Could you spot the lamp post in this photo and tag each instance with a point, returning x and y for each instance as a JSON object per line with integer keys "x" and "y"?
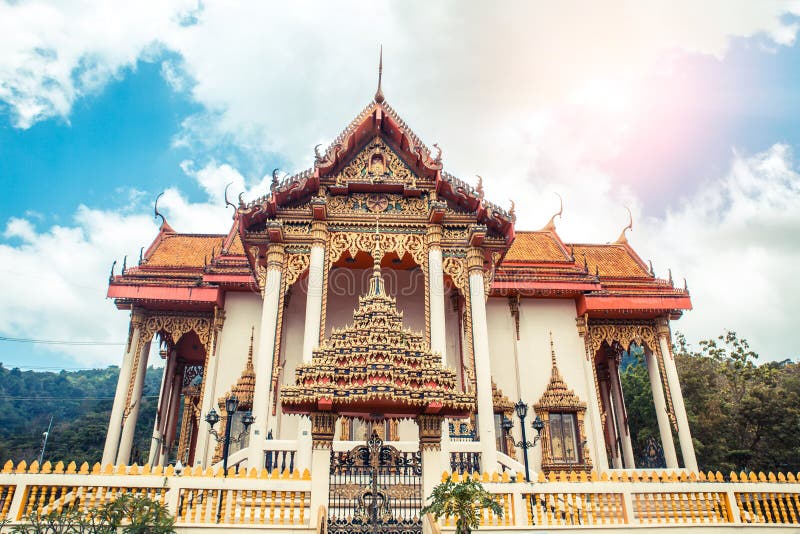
{"x": 231, "y": 405}
{"x": 522, "y": 411}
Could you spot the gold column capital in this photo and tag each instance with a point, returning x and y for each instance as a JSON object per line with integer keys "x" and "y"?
{"x": 319, "y": 232}
{"x": 434, "y": 235}
{"x": 323, "y": 425}
{"x": 474, "y": 259}
{"x": 430, "y": 432}
{"x": 137, "y": 317}
{"x": 662, "y": 327}
{"x": 275, "y": 256}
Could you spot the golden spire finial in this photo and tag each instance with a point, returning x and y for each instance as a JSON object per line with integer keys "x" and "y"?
{"x": 622, "y": 238}
{"x": 379, "y": 93}
{"x": 250, "y": 352}
{"x": 376, "y": 284}
{"x": 551, "y": 225}
{"x": 552, "y": 350}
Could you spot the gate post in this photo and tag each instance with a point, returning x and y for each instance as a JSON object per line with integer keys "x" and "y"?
{"x": 322, "y": 427}
{"x": 430, "y": 444}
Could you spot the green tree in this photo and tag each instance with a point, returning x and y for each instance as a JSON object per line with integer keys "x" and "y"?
{"x": 462, "y": 500}
{"x": 743, "y": 416}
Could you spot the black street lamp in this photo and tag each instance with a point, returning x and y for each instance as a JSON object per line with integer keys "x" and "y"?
{"x": 231, "y": 405}
{"x": 522, "y": 411}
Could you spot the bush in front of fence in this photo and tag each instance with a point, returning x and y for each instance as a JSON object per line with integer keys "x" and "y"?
{"x": 463, "y": 501}
{"x": 127, "y": 514}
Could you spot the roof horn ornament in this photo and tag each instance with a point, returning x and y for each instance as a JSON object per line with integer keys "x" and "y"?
{"x": 228, "y": 202}
{"x": 551, "y": 224}
{"x": 156, "y": 213}
{"x": 512, "y": 210}
{"x": 318, "y": 158}
{"x": 622, "y": 238}
{"x": 379, "y": 98}
{"x": 438, "y": 158}
{"x": 479, "y": 187}
{"x": 111, "y": 274}
{"x": 274, "y": 185}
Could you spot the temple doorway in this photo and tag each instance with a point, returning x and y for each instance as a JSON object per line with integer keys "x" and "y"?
{"x": 375, "y": 488}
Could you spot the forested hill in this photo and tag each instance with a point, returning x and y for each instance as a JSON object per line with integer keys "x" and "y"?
{"x": 80, "y": 403}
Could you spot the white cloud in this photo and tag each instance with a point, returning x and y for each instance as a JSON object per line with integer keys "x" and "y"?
{"x": 57, "y": 280}
{"x": 736, "y": 243}
{"x": 527, "y": 96}
{"x": 54, "y": 53}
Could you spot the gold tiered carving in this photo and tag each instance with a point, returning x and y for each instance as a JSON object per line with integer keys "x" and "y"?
{"x": 376, "y": 362}
{"x": 503, "y": 405}
{"x": 557, "y": 397}
{"x": 244, "y": 390}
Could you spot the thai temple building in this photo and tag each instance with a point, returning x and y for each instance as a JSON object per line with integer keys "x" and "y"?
{"x": 383, "y": 325}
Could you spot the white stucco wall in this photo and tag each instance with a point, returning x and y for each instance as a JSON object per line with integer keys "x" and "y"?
{"x": 538, "y": 317}
{"x": 242, "y": 312}
{"x": 346, "y": 285}
{"x": 294, "y": 316}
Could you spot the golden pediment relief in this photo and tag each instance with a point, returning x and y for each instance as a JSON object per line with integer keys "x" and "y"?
{"x": 376, "y": 163}
{"x": 377, "y": 203}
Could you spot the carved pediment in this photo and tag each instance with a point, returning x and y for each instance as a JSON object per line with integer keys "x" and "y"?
{"x": 376, "y": 163}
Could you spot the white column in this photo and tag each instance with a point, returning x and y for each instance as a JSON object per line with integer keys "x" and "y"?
{"x": 437, "y": 317}
{"x": 661, "y": 411}
{"x": 265, "y": 355}
{"x": 316, "y": 277}
{"x": 611, "y": 424}
{"x": 684, "y": 435}
{"x": 172, "y": 414}
{"x": 129, "y": 427}
{"x": 161, "y": 412}
{"x": 117, "y": 410}
{"x": 599, "y": 443}
{"x": 483, "y": 371}
{"x": 619, "y": 412}
{"x": 322, "y": 427}
{"x": 203, "y": 452}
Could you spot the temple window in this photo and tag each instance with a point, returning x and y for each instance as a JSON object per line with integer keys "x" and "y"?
{"x": 563, "y": 436}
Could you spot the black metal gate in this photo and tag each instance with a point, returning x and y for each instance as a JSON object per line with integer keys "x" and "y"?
{"x": 375, "y": 488}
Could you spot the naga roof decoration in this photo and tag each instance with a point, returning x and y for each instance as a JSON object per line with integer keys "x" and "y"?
{"x": 375, "y": 365}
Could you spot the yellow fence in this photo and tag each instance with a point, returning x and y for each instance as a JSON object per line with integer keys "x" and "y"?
{"x": 205, "y": 498}
{"x": 194, "y": 496}
{"x": 641, "y": 498}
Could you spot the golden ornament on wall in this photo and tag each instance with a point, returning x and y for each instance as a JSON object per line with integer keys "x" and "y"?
{"x": 377, "y": 202}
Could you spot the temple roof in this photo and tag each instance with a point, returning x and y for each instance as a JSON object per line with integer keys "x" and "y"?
{"x": 539, "y": 246}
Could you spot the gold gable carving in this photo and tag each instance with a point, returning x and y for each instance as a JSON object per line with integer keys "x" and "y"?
{"x": 376, "y": 163}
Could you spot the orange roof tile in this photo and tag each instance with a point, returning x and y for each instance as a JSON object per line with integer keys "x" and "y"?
{"x": 535, "y": 246}
{"x": 236, "y": 246}
{"x": 177, "y": 250}
{"x": 613, "y": 260}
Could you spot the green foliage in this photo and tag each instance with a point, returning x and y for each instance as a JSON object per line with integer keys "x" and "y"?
{"x": 128, "y": 514}
{"x": 80, "y": 403}
{"x": 743, "y": 416}
{"x": 462, "y": 500}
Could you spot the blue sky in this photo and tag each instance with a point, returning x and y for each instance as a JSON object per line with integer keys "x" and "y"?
{"x": 692, "y": 120}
